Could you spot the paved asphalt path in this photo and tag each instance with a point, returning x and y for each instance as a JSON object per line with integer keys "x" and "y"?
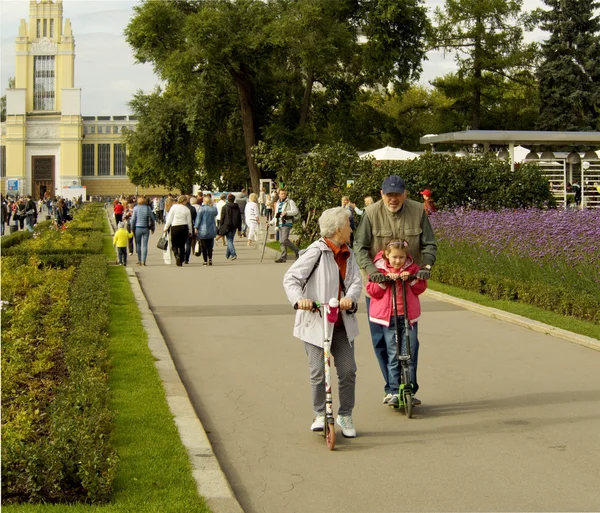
{"x": 510, "y": 419}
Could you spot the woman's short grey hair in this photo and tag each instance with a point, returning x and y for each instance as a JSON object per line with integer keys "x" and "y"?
{"x": 332, "y": 220}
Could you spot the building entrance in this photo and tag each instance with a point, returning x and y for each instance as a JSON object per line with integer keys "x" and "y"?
{"x": 43, "y": 176}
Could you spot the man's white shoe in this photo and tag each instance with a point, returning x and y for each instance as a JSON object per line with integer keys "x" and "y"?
{"x": 386, "y": 398}
{"x": 345, "y": 422}
{"x": 318, "y": 424}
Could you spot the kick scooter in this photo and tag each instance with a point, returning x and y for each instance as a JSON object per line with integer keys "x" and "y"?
{"x": 331, "y": 311}
{"x": 405, "y": 392}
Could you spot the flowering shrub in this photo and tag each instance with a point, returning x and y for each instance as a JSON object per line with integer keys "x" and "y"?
{"x": 550, "y": 258}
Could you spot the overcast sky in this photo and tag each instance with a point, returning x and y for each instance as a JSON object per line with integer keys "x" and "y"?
{"x": 104, "y": 66}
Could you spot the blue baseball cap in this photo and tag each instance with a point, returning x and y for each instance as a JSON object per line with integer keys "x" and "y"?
{"x": 393, "y": 184}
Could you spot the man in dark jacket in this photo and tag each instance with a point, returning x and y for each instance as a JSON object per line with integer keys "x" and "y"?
{"x": 30, "y": 213}
{"x": 242, "y": 201}
{"x": 231, "y": 221}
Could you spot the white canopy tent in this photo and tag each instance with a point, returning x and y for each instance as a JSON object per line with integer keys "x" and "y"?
{"x": 520, "y": 153}
{"x": 389, "y": 153}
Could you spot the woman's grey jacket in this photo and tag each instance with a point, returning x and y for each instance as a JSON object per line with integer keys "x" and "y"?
{"x": 322, "y": 286}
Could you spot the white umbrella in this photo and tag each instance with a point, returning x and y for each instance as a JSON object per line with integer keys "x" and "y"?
{"x": 389, "y": 153}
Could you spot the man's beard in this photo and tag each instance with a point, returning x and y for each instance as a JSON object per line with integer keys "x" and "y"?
{"x": 393, "y": 210}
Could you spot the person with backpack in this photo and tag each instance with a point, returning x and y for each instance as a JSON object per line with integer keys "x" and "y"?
{"x": 327, "y": 270}
{"x": 286, "y": 213}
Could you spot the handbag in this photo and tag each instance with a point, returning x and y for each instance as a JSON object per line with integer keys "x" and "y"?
{"x": 162, "y": 243}
{"x": 197, "y": 248}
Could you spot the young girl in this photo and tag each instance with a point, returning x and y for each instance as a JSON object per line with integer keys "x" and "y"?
{"x": 396, "y": 263}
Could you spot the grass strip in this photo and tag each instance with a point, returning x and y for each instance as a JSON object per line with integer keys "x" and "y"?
{"x": 531, "y": 312}
{"x": 154, "y": 473}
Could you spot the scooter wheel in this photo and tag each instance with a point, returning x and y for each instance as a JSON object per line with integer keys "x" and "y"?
{"x": 330, "y": 435}
{"x": 408, "y": 404}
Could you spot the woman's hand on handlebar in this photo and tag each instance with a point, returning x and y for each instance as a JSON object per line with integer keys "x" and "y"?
{"x": 346, "y": 303}
{"x": 305, "y": 304}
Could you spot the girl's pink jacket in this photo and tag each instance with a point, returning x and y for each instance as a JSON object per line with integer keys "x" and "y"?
{"x": 380, "y": 309}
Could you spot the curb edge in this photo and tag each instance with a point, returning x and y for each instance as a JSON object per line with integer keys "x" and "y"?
{"x": 519, "y": 320}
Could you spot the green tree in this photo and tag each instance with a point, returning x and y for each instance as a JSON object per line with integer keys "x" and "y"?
{"x": 569, "y": 75}
{"x": 411, "y": 114}
{"x": 504, "y": 104}
{"x": 487, "y": 38}
{"x": 162, "y": 149}
{"x": 286, "y": 60}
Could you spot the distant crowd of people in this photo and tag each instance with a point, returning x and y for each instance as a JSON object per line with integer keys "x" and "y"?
{"x": 22, "y": 212}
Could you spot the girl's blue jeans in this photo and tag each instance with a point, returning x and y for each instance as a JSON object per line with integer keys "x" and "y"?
{"x": 393, "y": 364}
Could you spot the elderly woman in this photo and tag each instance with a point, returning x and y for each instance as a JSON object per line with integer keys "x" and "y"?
{"x": 141, "y": 219}
{"x": 252, "y": 214}
{"x": 327, "y": 269}
{"x": 179, "y": 220}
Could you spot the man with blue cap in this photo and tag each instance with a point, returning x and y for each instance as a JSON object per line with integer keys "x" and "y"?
{"x": 393, "y": 217}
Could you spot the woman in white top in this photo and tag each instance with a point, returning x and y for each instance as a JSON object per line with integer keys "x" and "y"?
{"x": 252, "y": 213}
{"x": 180, "y": 222}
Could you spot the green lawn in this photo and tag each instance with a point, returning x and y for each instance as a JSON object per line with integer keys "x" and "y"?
{"x": 154, "y": 472}
{"x": 531, "y": 312}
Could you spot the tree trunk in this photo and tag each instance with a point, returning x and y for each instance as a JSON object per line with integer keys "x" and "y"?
{"x": 310, "y": 78}
{"x": 244, "y": 87}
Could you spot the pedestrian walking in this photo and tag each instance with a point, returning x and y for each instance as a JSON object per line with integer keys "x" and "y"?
{"x": 395, "y": 217}
{"x": 142, "y": 222}
{"x": 231, "y": 222}
{"x": 252, "y": 215}
{"x": 262, "y": 201}
{"x": 118, "y": 211}
{"x": 120, "y": 240}
{"x": 285, "y": 211}
{"x": 179, "y": 222}
{"x": 31, "y": 213}
{"x": 220, "y": 204}
{"x": 206, "y": 229}
{"x": 242, "y": 200}
{"x": 326, "y": 270}
{"x": 190, "y": 240}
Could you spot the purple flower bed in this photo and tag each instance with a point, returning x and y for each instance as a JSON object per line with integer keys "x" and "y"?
{"x": 560, "y": 246}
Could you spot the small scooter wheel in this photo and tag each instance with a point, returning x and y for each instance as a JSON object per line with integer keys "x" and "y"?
{"x": 330, "y": 435}
{"x": 408, "y": 404}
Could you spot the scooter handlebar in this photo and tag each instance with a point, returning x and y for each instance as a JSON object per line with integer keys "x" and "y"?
{"x": 317, "y": 306}
{"x": 389, "y": 280}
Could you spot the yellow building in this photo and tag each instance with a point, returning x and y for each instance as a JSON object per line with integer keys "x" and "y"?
{"x": 46, "y": 144}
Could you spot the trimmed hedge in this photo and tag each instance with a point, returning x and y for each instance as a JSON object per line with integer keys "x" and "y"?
{"x": 581, "y": 305}
{"x": 56, "y": 422}
{"x": 13, "y": 239}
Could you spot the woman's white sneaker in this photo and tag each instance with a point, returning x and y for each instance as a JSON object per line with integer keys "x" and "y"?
{"x": 345, "y": 422}
{"x": 318, "y": 424}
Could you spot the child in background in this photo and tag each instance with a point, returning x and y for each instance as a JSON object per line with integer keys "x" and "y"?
{"x": 396, "y": 263}
{"x": 120, "y": 241}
